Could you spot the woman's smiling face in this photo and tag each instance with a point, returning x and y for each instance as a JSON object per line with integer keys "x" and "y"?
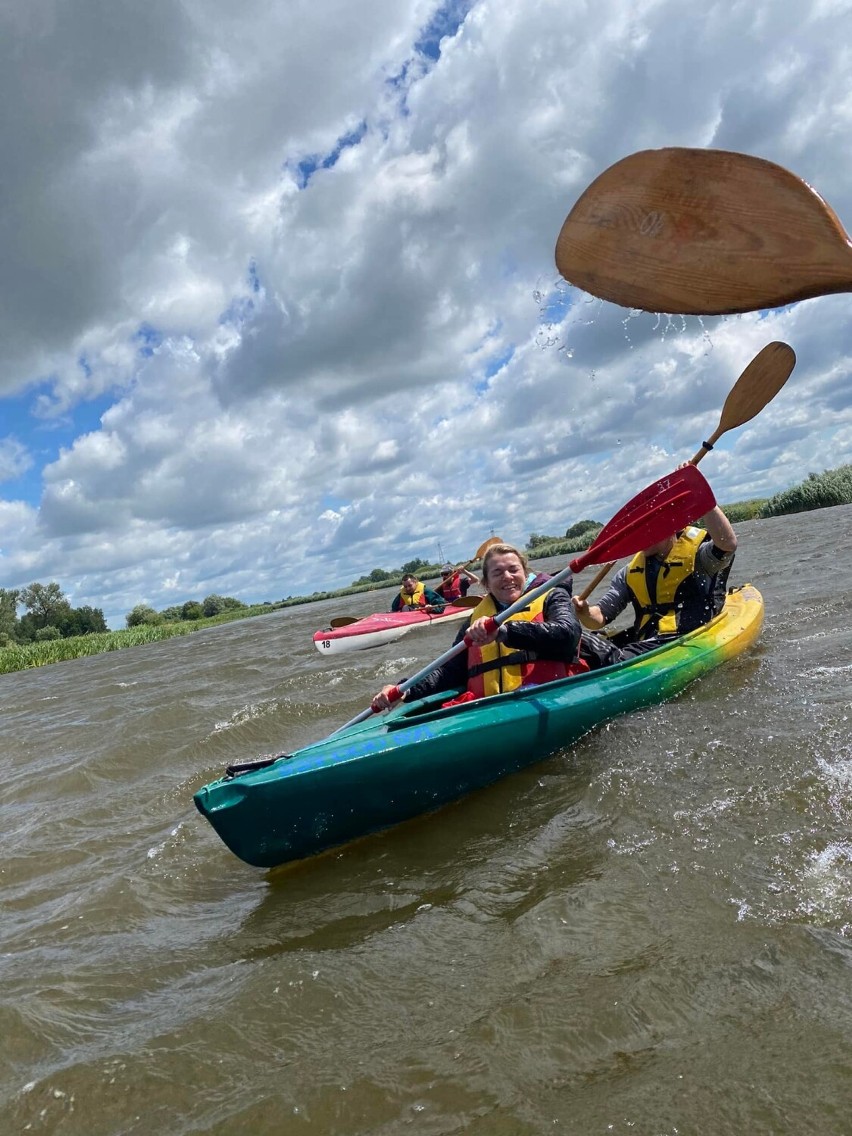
{"x": 506, "y": 577}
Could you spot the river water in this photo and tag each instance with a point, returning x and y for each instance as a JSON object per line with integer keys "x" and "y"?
{"x": 650, "y": 934}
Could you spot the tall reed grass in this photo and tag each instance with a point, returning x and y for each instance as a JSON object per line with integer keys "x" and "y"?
{"x": 23, "y": 656}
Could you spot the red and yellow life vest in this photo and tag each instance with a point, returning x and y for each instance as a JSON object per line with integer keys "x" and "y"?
{"x": 496, "y": 668}
{"x": 673, "y": 591}
{"x": 416, "y": 599}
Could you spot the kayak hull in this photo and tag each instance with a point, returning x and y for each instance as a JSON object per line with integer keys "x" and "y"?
{"x": 419, "y": 757}
{"x": 383, "y": 627}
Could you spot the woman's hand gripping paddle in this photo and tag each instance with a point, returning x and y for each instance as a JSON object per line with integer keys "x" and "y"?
{"x": 703, "y": 232}
{"x": 649, "y": 517}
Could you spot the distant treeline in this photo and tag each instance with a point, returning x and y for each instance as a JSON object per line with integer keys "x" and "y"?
{"x": 192, "y": 610}
{"x": 48, "y": 616}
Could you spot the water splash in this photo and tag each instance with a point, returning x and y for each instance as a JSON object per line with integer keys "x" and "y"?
{"x": 563, "y": 309}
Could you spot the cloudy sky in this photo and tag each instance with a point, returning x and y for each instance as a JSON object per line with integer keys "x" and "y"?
{"x": 279, "y": 303}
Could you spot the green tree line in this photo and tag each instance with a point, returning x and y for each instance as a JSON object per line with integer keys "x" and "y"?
{"x": 145, "y": 616}
{"x": 49, "y": 615}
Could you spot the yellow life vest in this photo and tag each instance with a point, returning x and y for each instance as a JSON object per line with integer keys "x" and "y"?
{"x": 496, "y": 668}
{"x": 416, "y": 599}
{"x": 674, "y": 591}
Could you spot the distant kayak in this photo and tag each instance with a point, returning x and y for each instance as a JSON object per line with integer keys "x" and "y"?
{"x": 383, "y": 627}
{"x": 421, "y": 755}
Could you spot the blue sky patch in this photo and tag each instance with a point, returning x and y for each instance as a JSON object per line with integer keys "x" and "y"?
{"x": 45, "y": 437}
{"x": 308, "y": 166}
{"x": 148, "y": 338}
{"x": 446, "y": 22}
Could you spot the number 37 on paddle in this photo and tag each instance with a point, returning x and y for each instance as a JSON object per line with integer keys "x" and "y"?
{"x": 703, "y": 232}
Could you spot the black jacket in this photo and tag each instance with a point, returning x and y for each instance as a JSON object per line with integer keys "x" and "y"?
{"x": 557, "y": 636}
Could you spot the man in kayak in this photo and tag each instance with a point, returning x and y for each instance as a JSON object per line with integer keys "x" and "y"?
{"x": 414, "y": 596}
{"x": 533, "y": 646}
{"x": 674, "y": 586}
{"x": 455, "y": 583}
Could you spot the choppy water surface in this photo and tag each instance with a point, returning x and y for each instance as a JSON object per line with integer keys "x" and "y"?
{"x": 648, "y": 934}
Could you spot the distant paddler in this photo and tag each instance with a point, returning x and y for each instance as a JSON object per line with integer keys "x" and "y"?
{"x": 455, "y": 582}
{"x": 415, "y": 596}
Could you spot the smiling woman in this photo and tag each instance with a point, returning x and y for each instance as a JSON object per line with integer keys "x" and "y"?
{"x": 535, "y": 645}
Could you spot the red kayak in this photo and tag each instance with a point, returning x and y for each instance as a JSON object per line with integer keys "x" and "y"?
{"x": 383, "y": 627}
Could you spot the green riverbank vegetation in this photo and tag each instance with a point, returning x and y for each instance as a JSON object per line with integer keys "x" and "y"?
{"x": 52, "y": 631}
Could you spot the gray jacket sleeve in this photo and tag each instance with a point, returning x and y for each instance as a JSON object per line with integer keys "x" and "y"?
{"x": 616, "y": 598}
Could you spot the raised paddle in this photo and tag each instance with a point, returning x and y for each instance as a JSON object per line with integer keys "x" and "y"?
{"x": 703, "y": 232}
{"x": 649, "y": 517}
{"x": 758, "y": 384}
{"x": 480, "y": 552}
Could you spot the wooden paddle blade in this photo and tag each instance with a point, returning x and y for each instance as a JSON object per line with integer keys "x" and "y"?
{"x": 467, "y": 601}
{"x": 702, "y": 232}
{"x": 650, "y": 517}
{"x": 759, "y": 383}
{"x": 483, "y": 548}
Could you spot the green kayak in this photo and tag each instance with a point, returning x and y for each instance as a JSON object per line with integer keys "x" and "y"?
{"x": 419, "y": 756}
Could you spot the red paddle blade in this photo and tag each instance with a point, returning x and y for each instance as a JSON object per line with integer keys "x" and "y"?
{"x": 650, "y": 517}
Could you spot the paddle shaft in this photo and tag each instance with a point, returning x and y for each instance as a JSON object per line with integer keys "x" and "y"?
{"x": 596, "y": 579}
{"x": 702, "y": 232}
